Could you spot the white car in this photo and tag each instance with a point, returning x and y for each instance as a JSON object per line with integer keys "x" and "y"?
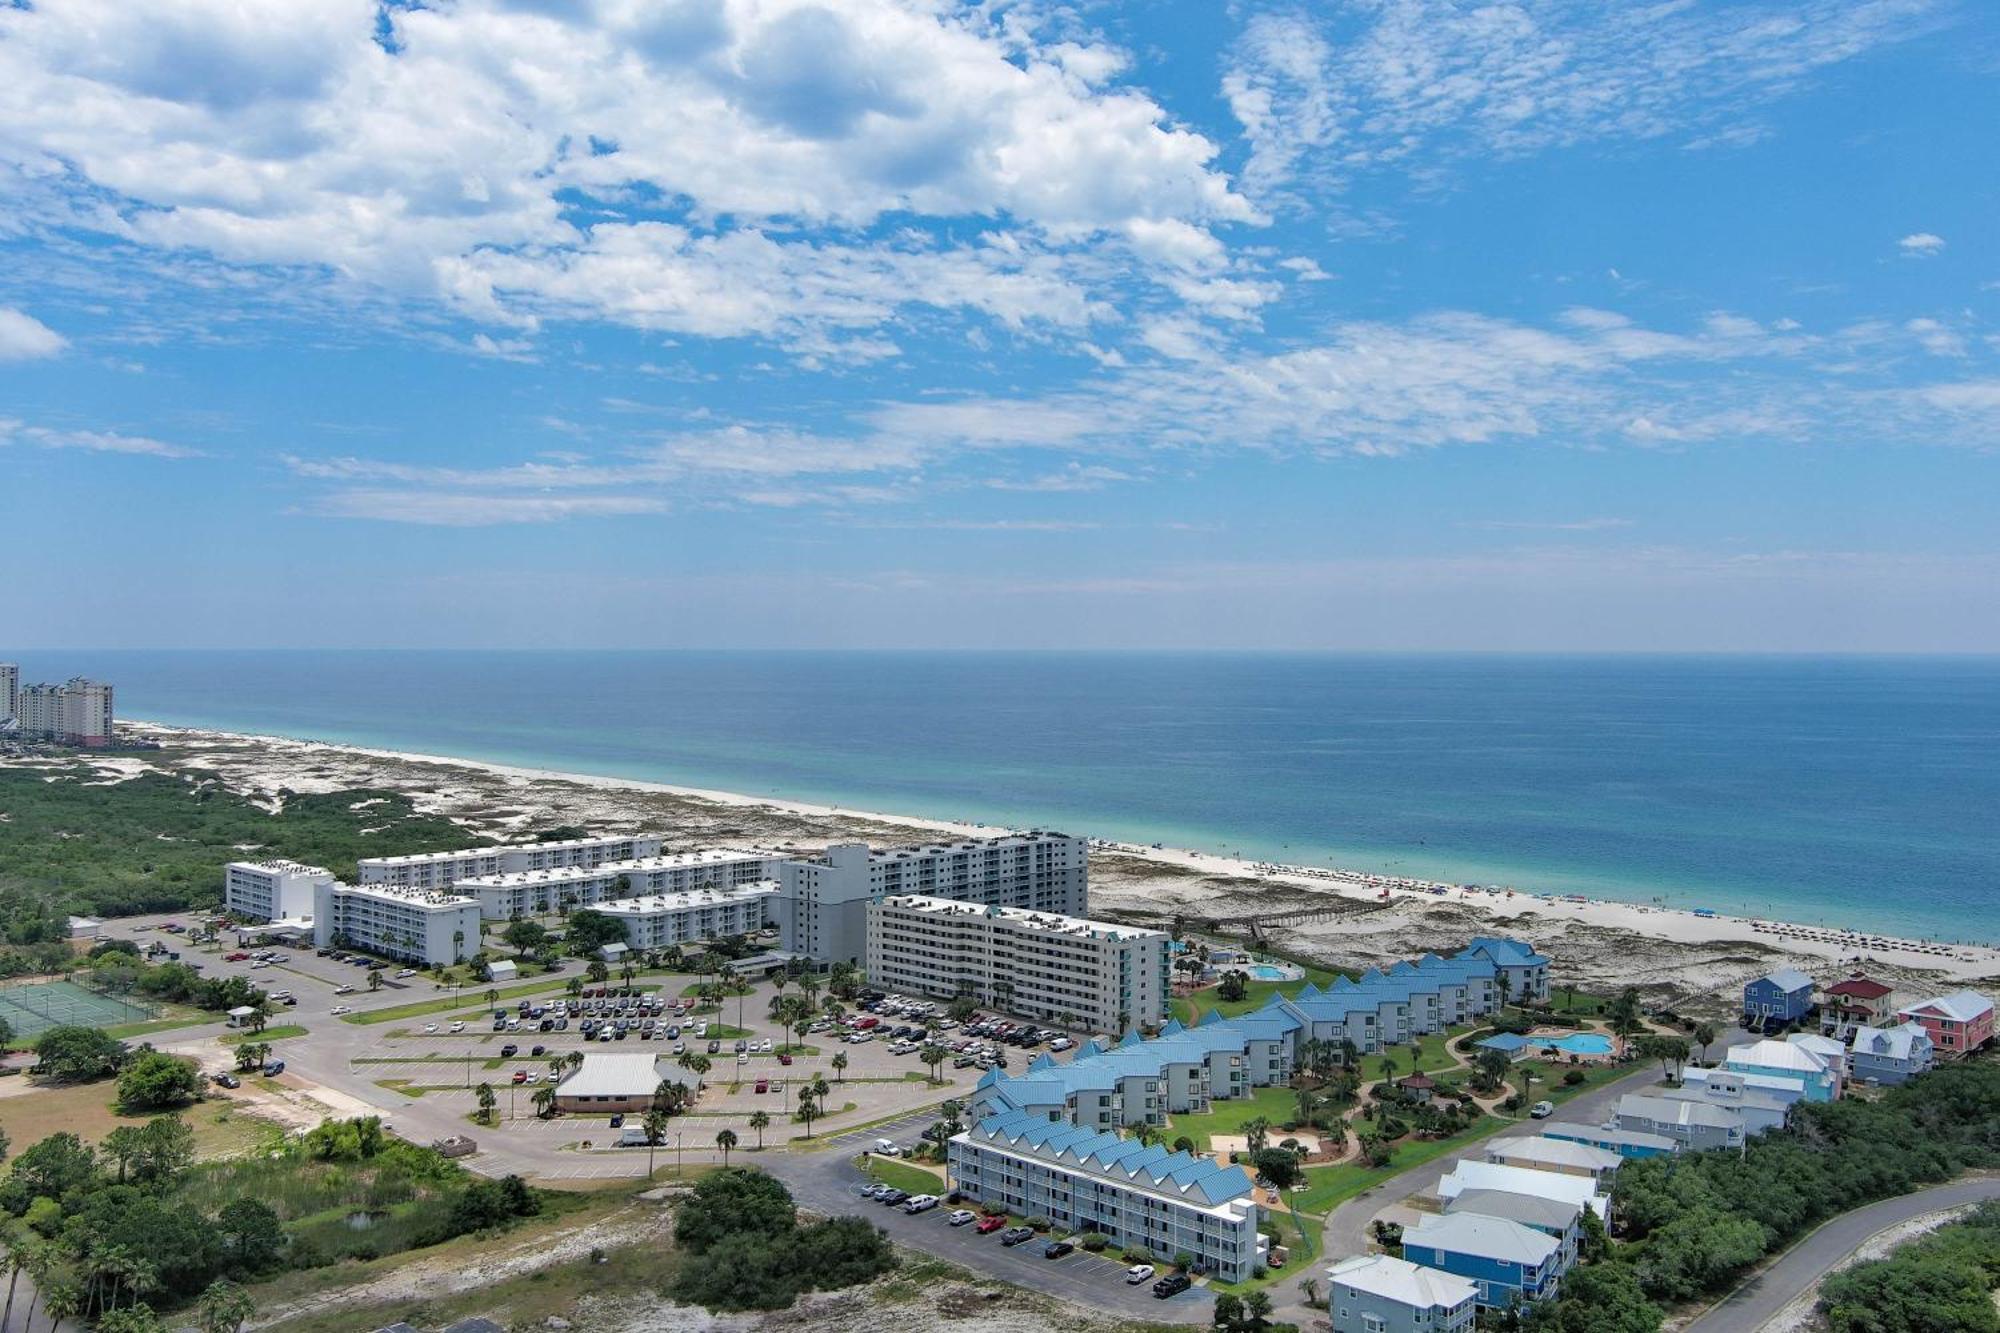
{"x": 962, "y": 1216}
{"x": 920, "y": 1203}
{"x": 534, "y": 1076}
{"x": 343, "y": 990}
{"x": 430, "y": 1027}
{"x": 458, "y": 1026}
{"x": 406, "y": 972}
{"x": 1137, "y": 1273}
{"x": 340, "y": 1009}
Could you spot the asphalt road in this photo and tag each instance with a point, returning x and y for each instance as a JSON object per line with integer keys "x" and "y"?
{"x": 827, "y": 1182}
{"x": 1757, "y": 1301}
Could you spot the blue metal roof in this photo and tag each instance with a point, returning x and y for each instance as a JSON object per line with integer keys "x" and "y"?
{"x": 1203, "y": 1178}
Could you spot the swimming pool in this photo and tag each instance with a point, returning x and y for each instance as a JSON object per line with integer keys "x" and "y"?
{"x": 1266, "y": 972}
{"x": 1573, "y": 1043}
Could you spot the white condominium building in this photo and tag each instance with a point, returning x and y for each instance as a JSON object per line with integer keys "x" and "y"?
{"x": 539, "y": 892}
{"x": 273, "y": 890}
{"x": 695, "y": 915}
{"x": 10, "y": 689}
{"x": 441, "y": 870}
{"x": 422, "y": 925}
{"x": 1141, "y": 1196}
{"x": 1048, "y": 872}
{"x": 76, "y": 712}
{"x": 1092, "y": 974}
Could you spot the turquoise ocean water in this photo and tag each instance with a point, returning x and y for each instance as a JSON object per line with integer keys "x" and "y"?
{"x": 1853, "y": 791}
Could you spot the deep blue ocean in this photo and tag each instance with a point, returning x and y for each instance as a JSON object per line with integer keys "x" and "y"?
{"x": 1853, "y": 791}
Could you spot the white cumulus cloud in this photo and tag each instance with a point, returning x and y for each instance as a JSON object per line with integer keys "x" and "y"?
{"x": 25, "y": 338}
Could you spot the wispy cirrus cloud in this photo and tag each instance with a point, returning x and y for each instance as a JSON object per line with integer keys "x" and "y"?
{"x": 90, "y": 441}
{"x": 1325, "y": 94}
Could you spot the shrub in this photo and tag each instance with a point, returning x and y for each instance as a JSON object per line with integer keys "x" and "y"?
{"x": 1093, "y": 1241}
{"x": 1573, "y": 1077}
{"x": 1037, "y": 1223}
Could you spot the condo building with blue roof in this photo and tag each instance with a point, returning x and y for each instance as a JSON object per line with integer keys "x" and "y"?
{"x": 1139, "y": 1195}
{"x": 1186, "y": 1068}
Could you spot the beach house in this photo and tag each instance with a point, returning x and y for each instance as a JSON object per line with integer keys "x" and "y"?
{"x": 1784, "y": 1059}
{"x": 1777, "y": 998}
{"x": 1467, "y": 1174}
{"x": 1958, "y": 1023}
{"x": 1860, "y": 1001}
{"x": 1507, "y": 1263}
{"x": 1565, "y": 1156}
{"x": 1561, "y": 1218}
{"x": 1626, "y": 1143}
{"x": 1761, "y": 1101}
{"x": 1890, "y": 1055}
{"x": 1377, "y": 1293}
{"x": 1693, "y": 1124}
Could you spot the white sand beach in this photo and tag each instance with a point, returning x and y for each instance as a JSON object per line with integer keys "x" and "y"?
{"x": 1698, "y": 960}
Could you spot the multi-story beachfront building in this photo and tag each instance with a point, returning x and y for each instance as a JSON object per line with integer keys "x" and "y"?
{"x": 558, "y": 888}
{"x": 423, "y": 925}
{"x": 1185, "y": 1068}
{"x": 1140, "y": 1196}
{"x": 1958, "y": 1024}
{"x": 1046, "y": 872}
{"x": 76, "y": 712}
{"x": 694, "y": 916}
{"x": 443, "y": 870}
{"x": 1065, "y": 969}
{"x": 275, "y": 890}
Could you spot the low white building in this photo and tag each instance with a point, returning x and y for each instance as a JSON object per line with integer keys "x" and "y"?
{"x": 610, "y": 1081}
{"x": 273, "y": 890}
{"x": 422, "y": 925}
{"x": 694, "y": 916}
{"x": 542, "y": 892}
{"x": 442, "y": 870}
{"x": 1089, "y": 974}
{"x": 1469, "y": 1175}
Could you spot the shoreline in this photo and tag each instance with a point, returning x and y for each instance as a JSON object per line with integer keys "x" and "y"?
{"x": 1676, "y": 926}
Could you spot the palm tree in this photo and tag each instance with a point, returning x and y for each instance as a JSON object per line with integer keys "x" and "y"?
{"x": 933, "y": 1055}
{"x": 759, "y": 1121}
{"x": 700, "y": 1065}
{"x": 808, "y": 1108}
{"x": 1256, "y": 1134}
{"x": 487, "y": 1101}
{"x": 839, "y": 1063}
{"x": 374, "y": 978}
{"x": 545, "y": 1100}
{"x": 1145, "y": 1132}
{"x": 225, "y": 1307}
{"x": 457, "y": 947}
{"x": 573, "y": 1061}
{"x": 62, "y": 1300}
{"x": 1704, "y": 1037}
{"x": 725, "y": 1139}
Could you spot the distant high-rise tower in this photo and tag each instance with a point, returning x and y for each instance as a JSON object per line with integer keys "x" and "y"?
{"x": 10, "y": 689}
{"x": 76, "y": 712}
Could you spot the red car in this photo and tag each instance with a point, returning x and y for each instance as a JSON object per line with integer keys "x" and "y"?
{"x": 988, "y": 1225}
{"x": 236, "y": 957}
{"x": 784, "y": 1059}
{"x": 763, "y": 1085}
{"x": 520, "y": 1076}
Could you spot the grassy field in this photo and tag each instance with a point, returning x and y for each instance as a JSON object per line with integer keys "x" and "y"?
{"x": 182, "y": 1019}
{"x": 1276, "y": 1105}
{"x": 279, "y": 1033}
{"x": 84, "y": 1109}
{"x": 906, "y": 1175}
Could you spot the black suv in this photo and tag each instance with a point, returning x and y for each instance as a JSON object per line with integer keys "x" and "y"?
{"x": 1173, "y": 1284}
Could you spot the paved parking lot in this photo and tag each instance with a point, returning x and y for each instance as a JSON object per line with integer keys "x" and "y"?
{"x": 830, "y": 1182}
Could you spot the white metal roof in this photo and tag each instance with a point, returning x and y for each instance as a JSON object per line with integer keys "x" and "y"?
{"x": 1401, "y": 1281}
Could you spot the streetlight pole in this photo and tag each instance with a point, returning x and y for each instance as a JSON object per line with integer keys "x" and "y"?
{"x": 679, "y": 1172}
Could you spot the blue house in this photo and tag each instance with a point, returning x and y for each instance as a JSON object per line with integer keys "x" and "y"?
{"x": 1890, "y": 1055}
{"x": 1624, "y": 1142}
{"x": 1508, "y": 1263}
{"x": 1785, "y": 996}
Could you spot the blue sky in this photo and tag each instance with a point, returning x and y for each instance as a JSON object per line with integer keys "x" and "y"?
{"x": 1400, "y": 325}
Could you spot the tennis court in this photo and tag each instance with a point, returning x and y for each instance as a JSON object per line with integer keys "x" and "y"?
{"x": 34, "y": 1008}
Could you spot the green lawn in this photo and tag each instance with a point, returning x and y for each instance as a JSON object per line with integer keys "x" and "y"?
{"x": 149, "y": 1026}
{"x": 1433, "y": 1053}
{"x": 1330, "y": 1186}
{"x": 278, "y": 1033}
{"x": 904, "y": 1176}
{"x": 1255, "y": 993}
{"x": 1276, "y": 1105}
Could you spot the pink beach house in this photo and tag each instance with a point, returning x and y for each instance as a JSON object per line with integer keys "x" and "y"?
{"x": 1958, "y": 1023}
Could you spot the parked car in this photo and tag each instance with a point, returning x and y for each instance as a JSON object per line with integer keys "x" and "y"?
{"x": 1138, "y": 1273}
{"x": 988, "y": 1225}
{"x": 1013, "y": 1236}
{"x": 1172, "y": 1285}
{"x": 962, "y": 1217}
{"x": 228, "y": 1081}
{"x": 509, "y": 1051}
{"x": 1056, "y": 1249}
{"x": 520, "y": 1076}
{"x": 273, "y": 1068}
{"x": 893, "y": 1195}
{"x": 920, "y": 1203}
{"x": 1542, "y": 1110}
